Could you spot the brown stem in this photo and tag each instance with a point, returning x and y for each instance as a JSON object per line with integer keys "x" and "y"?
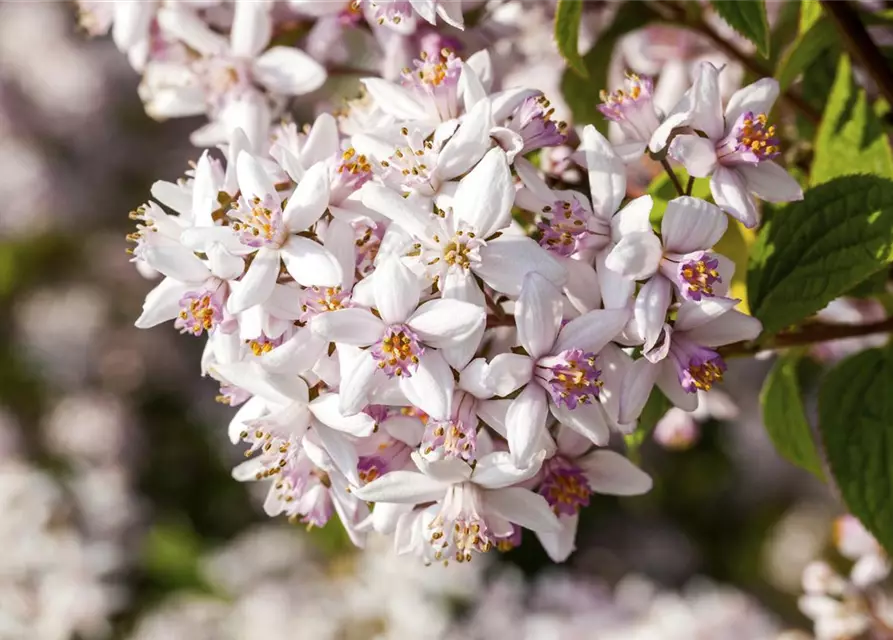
{"x": 690, "y": 185}
{"x": 673, "y": 177}
{"x": 860, "y": 45}
{"x": 809, "y": 334}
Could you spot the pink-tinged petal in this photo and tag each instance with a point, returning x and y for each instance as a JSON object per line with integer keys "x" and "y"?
{"x": 288, "y": 71}
{"x": 310, "y": 264}
{"x": 471, "y": 88}
{"x": 706, "y": 114}
{"x": 430, "y": 387}
{"x": 593, "y": 330}
{"x": 132, "y": 22}
{"x": 327, "y": 409}
{"x": 297, "y": 355}
{"x": 447, "y": 470}
{"x": 607, "y": 174}
{"x": 444, "y": 323}
{"x": 395, "y": 100}
{"x": 730, "y": 193}
{"x": 505, "y": 102}
{"x": 526, "y": 423}
{"x": 694, "y": 314}
{"x": 279, "y": 390}
{"x": 630, "y": 152}
{"x": 540, "y": 194}
{"x": 507, "y": 259}
{"x": 561, "y": 544}
{"x": 770, "y": 182}
{"x": 396, "y": 290}
{"x": 636, "y": 256}
{"x": 508, "y": 372}
{"x": 254, "y": 181}
{"x": 691, "y": 224}
{"x": 322, "y": 142}
{"x": 673, "y": 120}
{"x": 870, "y": 570}
{"x": 610, "y": 473}
{"x": 668, "y": 381}
{"x": 251, "y": 27}
{"x": 162, "y": 303}
{"x": 614, "y": 363}
{"x": 589, "y": 420}
{"x": 482, "y": 66}
{"x": 451, "y": 13}
{"x": 697, "y": 154}
{"x": 637, "y": 385}
{"x": 184, "y": 25}
{"x": 402, "y": 487}
{"x": 339, "y": 242}
{"x": 258, "y": 282}
{"x": 353, "y": 326}
{"x": 253, "y": 408}
{"x": 340, "y": 450}
{"x": 407, "y": 429}
{"x": 757, "y": 97}
{"x": 632, "y": 218}
{"x": 523, "y": 507}
{"x": 408, "y": 213}
{"x": 494, "y": 412}
{"x": 616, "y": 290}
{"x": 650, "y": 310}
{"x": 310, "y": 199}
{"x": 498, "y": 469}
{"x": 570, "y": 443}
{"x": 247, "y": 472}
{"x": 538, "y": 314}
{"x": 357, "y": 379}
{"x": 582, "y": 288}
{"x": 485, "y": 196}
{"x": 730, "y": 327}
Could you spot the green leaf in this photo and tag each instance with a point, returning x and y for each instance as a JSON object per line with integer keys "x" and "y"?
{"x": 654, "y": 410}
{"x": 805, "y": 50}
{"x": 856, "y": 425}
{"x": 815, "y": 250}
{"x": 784, "y": 416}
{"x": 582, "y": 95}
{"x": 748, "y": 18}
{"x": 810, "y": 12}
{"x": 851, "y": 138}
{"x": 567, "y": 30}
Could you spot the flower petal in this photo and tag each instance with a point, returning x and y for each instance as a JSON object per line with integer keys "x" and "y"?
{"x": 258, "y": 282}
{"x": 507, "y": 259}
{"x": 508, "y": 372}
{"x": 697, "y": 154}
{"x": 327, "y": 409}
{"x": 395, "y": 100}
{"x": 468, "y": 145}
{"x": 497, "y": 470}
{"x": 523, "y": 507}
{"x": 650, "y": 309}
{"x": 526, "y": 423}
{"x": 730, "y": 193}
{"x": 706, "y": 113}
{"x": 485, "y": 196}
{"x": 668, "y": 382}
{"x": 610, "y": 473}
{"x": 559, "y": 545}
{"x": 430, "y": 387}
{"x": 310, "y": 264}
{"x": 251, "y": 28}
{"x": 691, "y": 224}
{"x": 593, "y": 330}
{"x": 607, "y": 174}
{"x": 162, "y": 303}
{"x": 358, "y": 379}
{"x": 637, "y": 385}
{"x": 538, "y": 314}
{"x": 353, "y": 326}
{"x": 447, "y": 470}
{"x": 396, "y": 290}
{"x": 770, "y": 182}
{"x": 616, "y": 290}
{"x": 402, "y": 487}
{"x": 288, "y": 71}
{"x": 588, "y": 420}
{"x": 636, "y": 256}
{"x": 408, "y": 213}
{"x": 730, "y": 327}
{"x": 757, "y": 97}
{"x": 340, "y": 450}
{"x": 309, "y": 200}
{"x": 254, "y": 182}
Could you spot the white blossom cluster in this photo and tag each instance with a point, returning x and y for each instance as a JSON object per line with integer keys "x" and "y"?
{"x": 425, "y": 333}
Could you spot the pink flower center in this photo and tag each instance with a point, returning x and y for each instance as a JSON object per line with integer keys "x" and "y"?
{"x": 398, "y": 352}
{"x": 697, "y": 367}
{"x": 564, "y": 228}
{"x": 533, "y": 121}
{"x": 564, "y": 486}
{"x": 260, "y": 222}
{"x": 453, "y": 438}
{"x": 571, "y": 377}
{"x": 697, "y": 276}
{"x": 199, "y": 311}
{"x": 752, "y": 140}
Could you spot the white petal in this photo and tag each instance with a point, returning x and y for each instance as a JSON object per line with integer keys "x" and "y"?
{"x": 770, "y": 182}
{"x": 444, "y": 323}
{"x": 253, "y": 179}
{"x": 340, "y": 450}
{"x": 485, "y": 196}
{"x": 707, "y": 102}
{"x": 668, "y": 382}
{"x": 253, "y": 408}
{"x": 447, "y": 471}
{"x": 610, "y": 473}
{"x": 633, "y": 217}
{"x": 757, "y": 97}
{"x": 451, "y": 13}
{"x": 176, "y": 262}
{"x": 353, "y": 326}
{"x": 636, "y": 256}
{"x": 402, "y": 487}
{"x": 309, "y": 200}
{"x": 132, "y": 22}
{"x": 607, "y": 174}
{"x": 327, "y": 409}
{"x": 162, "y": 303}
{"x": 730, "y": 193}
{"x": 538, "y": 314}
{"x": 523, "y": 507}
{"x": 691, "y": 224}
{"x": 322, "y": 142}
{"x": 473, "y": 379}
{"x": 258, "y": 282}
{"x": 358, "y": 379}
{"x": 288, "y": 71}
{"x": 395, "y": 100}
{"x": 279, "y": 390}
{"x": 224, "y": 265}
{"x": 697, "y": 154}
{"x": 505, "y": 102}
{"x": 467, "y": 145}
{"x": 560, "y": 545}
{"x": 184, "y": 25}
{"x": 297, "y": 355}
{"x": 730, "y": 327}
{"x": 650, "y": 309}
{"x": 694, "y": 314}
{"x": 251, "y": 27}
{"x": 507, "y": 259}
{"x": 593, "y": 330}
{"x": 396, "y": 290}
{"x": 526, "y": 423}
{"x": 408, "y": 213}
{"x": 431, "y": 386}
{"x": 310, "y": 264}
{"x": 616, "y": 290}
{"x": 588, "y": 420}
{"x": 173, "y": 196}
{"x": 637, "y": 385}
{"x": 497, "y": 470}
{"x": 508, "y": 372}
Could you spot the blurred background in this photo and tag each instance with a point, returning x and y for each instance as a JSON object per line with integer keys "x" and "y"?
{"x": 120, "y": 518}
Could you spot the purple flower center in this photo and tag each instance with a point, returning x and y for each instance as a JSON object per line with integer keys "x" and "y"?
{"x": 565, "y": 227}
{"x": 317, "y": 300}
{"x": 564, "y": 486}
{"x": 752, "y": 140}
{"x": 697, "y": 367}
{"x": 533, "y": 121}
{"x": 371, "y": 467}
{"x": 571, "y": 377}
{"x": 398, "y": 351}
{"x": 697, "y": 275}
{"x": 632, "y": 107}
{"x": 260, "y": 222}
{"x": 199, "y": 311}
{"x": 435, "y": 79}
{"x": 453, "y": 438}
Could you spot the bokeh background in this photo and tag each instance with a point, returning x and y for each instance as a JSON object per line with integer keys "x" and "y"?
{"x": 119, "y": 515}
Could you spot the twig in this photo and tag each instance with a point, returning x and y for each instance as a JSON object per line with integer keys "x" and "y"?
{"x": 673, "y": 177}
{"x": 690, "y": 185}
{"x": 810, "y": 334}
{"x": 860, "y": 45}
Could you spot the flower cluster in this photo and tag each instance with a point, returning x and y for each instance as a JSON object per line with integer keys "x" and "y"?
{"x": 425, "y": 333}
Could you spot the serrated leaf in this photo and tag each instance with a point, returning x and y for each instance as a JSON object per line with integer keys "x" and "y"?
{"x": 567, "y": 31}
{"x": 851, "y": 138}
{"x": 655, "y": 408}
{"x": 813, "y": 251}
{"x": 582, "y": 95}
{"x": 784, "y": 416}
{"x": 855, "y": 418}
{"x": 805, "y": 50}
{"x": 748, "y": 18}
